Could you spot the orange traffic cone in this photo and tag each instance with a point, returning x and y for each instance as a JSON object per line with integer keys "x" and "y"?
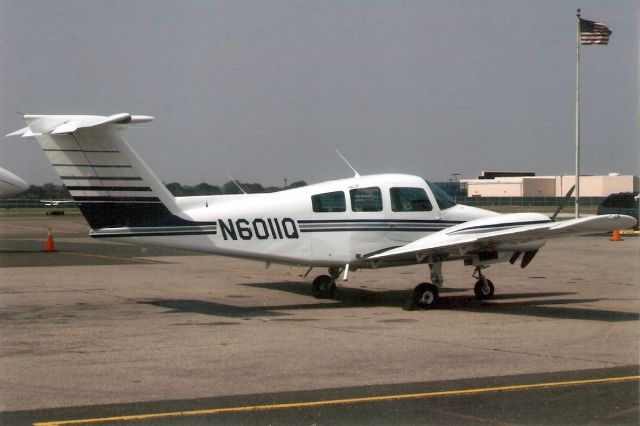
{"x": 615, "y": 235}
{"x": 49, "y": 246}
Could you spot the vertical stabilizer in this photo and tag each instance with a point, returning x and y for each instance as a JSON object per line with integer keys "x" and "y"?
{"x": 110, "y": 183}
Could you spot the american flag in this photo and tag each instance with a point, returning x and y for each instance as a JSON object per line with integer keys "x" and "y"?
{"x": 593, "y": 32}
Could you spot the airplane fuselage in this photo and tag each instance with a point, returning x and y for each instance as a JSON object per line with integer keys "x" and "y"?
{"x": 328, "y": 224}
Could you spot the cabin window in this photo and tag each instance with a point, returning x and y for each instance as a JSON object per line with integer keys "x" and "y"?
{"x": 409, "y": 200}
{"x": 329, "y": 202}
{"x": 366, "y": 199}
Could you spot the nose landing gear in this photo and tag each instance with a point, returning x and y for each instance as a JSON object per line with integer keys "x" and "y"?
{"x": 484, "y": 287}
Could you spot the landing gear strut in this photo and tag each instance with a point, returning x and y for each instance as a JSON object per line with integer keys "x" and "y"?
{"x": 484, "y": 287}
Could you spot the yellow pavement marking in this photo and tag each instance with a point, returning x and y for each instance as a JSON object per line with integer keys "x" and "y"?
{"x": 252, "y": 408}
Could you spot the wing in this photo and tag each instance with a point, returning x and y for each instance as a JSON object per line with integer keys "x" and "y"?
{"x": 499, "y": 233}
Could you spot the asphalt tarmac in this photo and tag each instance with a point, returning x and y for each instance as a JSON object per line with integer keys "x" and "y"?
{"x": 110, "y": 332}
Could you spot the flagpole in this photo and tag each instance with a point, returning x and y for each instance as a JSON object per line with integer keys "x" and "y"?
{"x": 577, "y": 208}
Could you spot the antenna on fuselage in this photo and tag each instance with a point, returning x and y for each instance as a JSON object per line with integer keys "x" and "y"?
{"x": 348, "y": 164}
{"x": 235, "y": 183}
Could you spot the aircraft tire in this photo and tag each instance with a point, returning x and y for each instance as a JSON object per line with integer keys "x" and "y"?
{"x": 482, "y": 292}
{"x": 425, "y": 296}
{"x": 323, "y": 287}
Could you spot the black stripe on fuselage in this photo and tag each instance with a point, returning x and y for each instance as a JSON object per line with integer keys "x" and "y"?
{"x": 386, "y": 225}
{"x": 142, "y": 214}
{"x": 154, "y": 231}
{"x": 359, "y": 229}
{"x": 423, "y": 221}
{"x": 153, "y": 234}
{"x": 498, "y": 226}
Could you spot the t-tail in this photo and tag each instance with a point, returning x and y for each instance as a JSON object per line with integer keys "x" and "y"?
{"x": 110, "y": 183}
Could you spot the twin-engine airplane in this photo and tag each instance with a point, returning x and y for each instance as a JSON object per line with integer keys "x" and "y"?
{"x": 371, "y": 221}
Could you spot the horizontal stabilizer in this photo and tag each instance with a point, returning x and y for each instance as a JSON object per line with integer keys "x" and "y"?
{"x": 67, "y": 124}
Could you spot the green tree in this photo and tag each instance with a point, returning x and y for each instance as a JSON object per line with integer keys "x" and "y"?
{"x": 297, "y": 184}
{"x": 176, "y": 189}
{"x": 206, "y": 189}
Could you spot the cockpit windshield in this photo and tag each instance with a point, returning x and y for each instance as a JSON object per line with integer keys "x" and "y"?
{"x": 443, "y": 199}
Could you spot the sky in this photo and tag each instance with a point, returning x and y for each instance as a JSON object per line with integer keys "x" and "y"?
{"x": 266, "y": 90}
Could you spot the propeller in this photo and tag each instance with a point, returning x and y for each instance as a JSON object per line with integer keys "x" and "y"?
{"x": 529, "y": 255}
{"x": 562, "y": 203}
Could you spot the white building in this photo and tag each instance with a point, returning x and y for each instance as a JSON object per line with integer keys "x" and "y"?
{"x": 550, "y": 186}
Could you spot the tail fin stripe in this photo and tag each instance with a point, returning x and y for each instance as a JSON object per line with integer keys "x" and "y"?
{"x": 109, "y": 188}
{"x": 100, "y": 178}
{"x": 106, "y": 166}
{"x": 82, "y": 150}
{"x": 116, "y": 199}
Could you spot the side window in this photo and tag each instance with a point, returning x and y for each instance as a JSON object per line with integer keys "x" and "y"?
{"x": 329, "y": 202}
{"x": 409, "y": 200}
{"x": 366, "y": 200}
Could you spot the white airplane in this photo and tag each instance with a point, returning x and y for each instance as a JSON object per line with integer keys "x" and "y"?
{"x": 56, "y": 203}
{"x": 11, "y": 184}
{"x": 361, "y": 222}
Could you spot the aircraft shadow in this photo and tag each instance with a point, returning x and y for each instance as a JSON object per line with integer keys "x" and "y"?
{"x": 509, "y": 304}
{"x": 216, "y": 309}
{"x": 545, "y": 309}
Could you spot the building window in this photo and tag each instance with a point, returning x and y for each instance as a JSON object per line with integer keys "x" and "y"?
{"x": 409, "y": 200}
{"x": 366, "y": 199}
{"x": 329, "y": 202}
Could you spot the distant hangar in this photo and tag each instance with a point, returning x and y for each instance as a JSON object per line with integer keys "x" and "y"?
{"x": 526, "y": 184}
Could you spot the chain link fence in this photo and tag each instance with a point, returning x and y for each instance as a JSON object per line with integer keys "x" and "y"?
{"x": 469, "y": 201}
{"x": 527, "y": 201}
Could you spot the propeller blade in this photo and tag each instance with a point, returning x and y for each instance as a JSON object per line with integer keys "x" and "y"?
{"x": 563, "y": 203}
{"x": 528, "y": 257}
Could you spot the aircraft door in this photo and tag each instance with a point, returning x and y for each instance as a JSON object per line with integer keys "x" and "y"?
{"x": 328, "y": 228}
{"x": 366, "y": 221}
{"x": 410, "y": 213}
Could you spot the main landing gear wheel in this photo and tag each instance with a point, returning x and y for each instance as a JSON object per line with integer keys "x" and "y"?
{"x": 425, "y": 296}
{"x": 323, "y": 287}
{"x": 483, "y": 289}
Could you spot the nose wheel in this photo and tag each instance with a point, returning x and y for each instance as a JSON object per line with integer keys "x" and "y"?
{"x": 484, "y": 287}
